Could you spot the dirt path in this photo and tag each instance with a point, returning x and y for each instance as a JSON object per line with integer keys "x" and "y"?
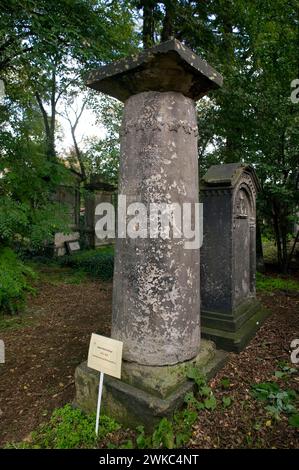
{"x": 38, "y": 375}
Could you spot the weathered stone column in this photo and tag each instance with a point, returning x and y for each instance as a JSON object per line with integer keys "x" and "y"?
{"x": 156, "y": 292}
{"x": 156, "y": 282}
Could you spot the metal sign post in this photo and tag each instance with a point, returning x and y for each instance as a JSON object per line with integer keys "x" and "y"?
{"x": 105, "y": 356}
{"x": 99, "y": 402}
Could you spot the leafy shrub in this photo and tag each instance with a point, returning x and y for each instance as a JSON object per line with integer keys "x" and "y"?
{"x": 14, "y": 281}
{"x": 32, "y": 228}
{"x": 97, "y": 263}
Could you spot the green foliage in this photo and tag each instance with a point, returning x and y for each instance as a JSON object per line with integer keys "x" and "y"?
{"x": 177, "y": 433}
{"x": 164, "y": 435}
{"x": 28, "y": 214}
{"x": 225, "y": 382}
{"x": 276, "y": 400}
{"x": 184, "y": 420}
{"x": 15, "y": 322}
{"x": 294, "y": 420}
{"x": 143, "y": 441}
{"x": 208, "y": 400}
{"x": 251, "y": 118}
{"x": 55, "y": 275}
{"x": 194, "y": 374}
{"x": 70, "y": 428}
{"x": 227, "y": 402}
{"x": 14, "y": 281}
{"x": 285, "y": 371}
{"x": 269, "y": 284}
{"x": 102, "y": 155}
{"x": 169, "y": 434}
{"x": 97, "y": 263}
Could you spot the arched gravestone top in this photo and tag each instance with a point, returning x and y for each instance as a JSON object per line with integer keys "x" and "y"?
{"x": 169, "y": 66}
{"x": 230, "y": 175}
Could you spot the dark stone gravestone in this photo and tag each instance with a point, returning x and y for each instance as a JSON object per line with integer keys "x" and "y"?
{"x": 230, "y": 312}
{"x": 68, "y": 195}
{"x": 98, "y": 191}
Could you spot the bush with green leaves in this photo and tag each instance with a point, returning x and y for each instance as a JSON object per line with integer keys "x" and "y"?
{"x": 97, "y": 263}
{"x": 14, "y": 281}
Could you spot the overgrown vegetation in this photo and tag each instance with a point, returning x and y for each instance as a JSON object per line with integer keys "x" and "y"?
{"x": 15, "y": 280}
{"x": 269, "y": 284}
{"x": 69, "y": 428}
{"x": 97, "y": 263}
{"x": 46, "y": 49}
{"x": 279, "y": 400}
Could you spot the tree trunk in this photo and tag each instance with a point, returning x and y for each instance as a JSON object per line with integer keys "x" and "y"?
{"x": 168, "y": 29}
{"x": 148, "y": 28}
{"x": 285, "y": 257}
{"x": 260, "y": 265}
{"x": 277, "y": 234}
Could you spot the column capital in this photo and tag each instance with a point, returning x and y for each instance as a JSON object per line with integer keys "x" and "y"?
{"x": 169, "y": 66}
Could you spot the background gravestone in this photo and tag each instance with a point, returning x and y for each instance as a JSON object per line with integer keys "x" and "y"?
{"x": 98, "y": 191}
{"x": 230, "y": 313}
{"x": 68, "y": 195}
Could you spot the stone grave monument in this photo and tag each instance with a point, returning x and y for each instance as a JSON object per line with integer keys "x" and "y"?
{"x": 98, "y": 191}
{"x": 230, "y": 312}
{"x": 68, "y": 194}
{"x": 156, "y": 292}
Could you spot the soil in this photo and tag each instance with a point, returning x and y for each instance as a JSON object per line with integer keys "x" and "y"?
{"x": 246, "y": 424}
{"x": 41, "y": 358}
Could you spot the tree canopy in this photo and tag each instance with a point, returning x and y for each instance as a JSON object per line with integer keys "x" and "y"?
{"x": 47, "y": 47}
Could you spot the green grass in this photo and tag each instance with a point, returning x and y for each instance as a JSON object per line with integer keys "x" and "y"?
{"x": 270, "y": 284}
{"x": 97, "y": 263}
{"x": 106, "y": 249}
{"x": 13, "y": 322}
{"x": 56, "y": 275}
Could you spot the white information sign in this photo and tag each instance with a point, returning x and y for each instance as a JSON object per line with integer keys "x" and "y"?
{"x": 105, "y": 356}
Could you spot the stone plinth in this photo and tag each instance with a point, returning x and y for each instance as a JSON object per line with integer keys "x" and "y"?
{"x": 145, "y": 394}
{"x": 230, "y": 313}
{"x": 156, "y": 292}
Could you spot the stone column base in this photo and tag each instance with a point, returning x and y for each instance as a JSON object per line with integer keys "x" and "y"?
{"x": 145, "y": 394}
{"x": 232, "y": 332}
